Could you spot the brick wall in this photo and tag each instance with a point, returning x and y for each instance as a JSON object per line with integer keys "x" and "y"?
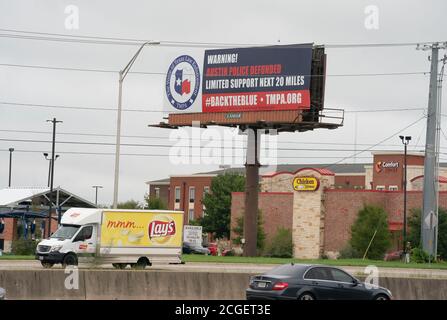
{"x": 342, "y": 207}
{"x": 276, "y": 208}
{"x": 349, "y": 181}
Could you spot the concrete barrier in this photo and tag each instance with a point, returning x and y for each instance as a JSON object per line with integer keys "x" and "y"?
{"x": 130, "y": 284}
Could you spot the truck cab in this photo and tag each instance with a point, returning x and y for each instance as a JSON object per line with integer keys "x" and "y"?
{"x": 68, "y": 243}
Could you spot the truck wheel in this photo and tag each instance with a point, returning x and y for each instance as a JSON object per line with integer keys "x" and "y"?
{"x": 141, "y": 264}
{"x": 47, "y": 265}
{"x": 120, "y": 266}
{"x": 70, "y": 260}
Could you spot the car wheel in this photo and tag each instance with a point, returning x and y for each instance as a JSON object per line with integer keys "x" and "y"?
{"x": 381, "y": 297}
{"x": 47, "y": 265}
{"x": 70, "y": 260}
{"x": 120, "y": 266}
{"x": 306, "y": 296}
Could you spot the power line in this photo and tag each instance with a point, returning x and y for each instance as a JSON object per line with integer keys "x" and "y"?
{"x": 156, "y": 155}
{"x": 170, "y": 146}
{"x": 294, "y": 142}
{"x": 39, "y": 105}
{"x": 33, "y": 35}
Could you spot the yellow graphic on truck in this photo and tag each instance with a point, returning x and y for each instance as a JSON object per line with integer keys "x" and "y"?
{"x": 136, "y": 229}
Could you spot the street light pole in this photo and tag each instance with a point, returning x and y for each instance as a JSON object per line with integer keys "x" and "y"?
{"x": 11, "y": 150}
{"x": 122, "y": 76}
{"x": 405, "y": 141}
{"x": 96, "y": 196}
{"x": 49, "y": 166}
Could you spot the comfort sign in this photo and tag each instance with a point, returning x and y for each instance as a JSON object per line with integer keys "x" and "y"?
{"x": 305, "y": 184}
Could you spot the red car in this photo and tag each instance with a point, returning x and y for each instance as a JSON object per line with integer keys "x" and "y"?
{"x": 212, "y": 247}
{"x": 392, "y": 256}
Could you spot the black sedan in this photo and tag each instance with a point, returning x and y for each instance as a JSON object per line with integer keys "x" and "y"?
{"x": 312, "y": 282}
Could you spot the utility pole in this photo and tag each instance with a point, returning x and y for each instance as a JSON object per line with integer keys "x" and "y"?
{"x": 96, "y": 191}
{"x": 53, "y": 147}
{"x": 431, "y": 175}
{"x": 122, "y": 75}
{"x": 11, "y": 150}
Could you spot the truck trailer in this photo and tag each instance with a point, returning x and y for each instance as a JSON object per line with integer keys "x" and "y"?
{"x": 137, "y": 238}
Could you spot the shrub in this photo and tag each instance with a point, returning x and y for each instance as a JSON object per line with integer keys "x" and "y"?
{"x": 23, "y": 247}
{"x": 281, "y": 245}
{"x": 371, "y": 226}
{"x": 348, "y": 252}
{"x": 419, "y": 256}
{"x": 260, "y": 236}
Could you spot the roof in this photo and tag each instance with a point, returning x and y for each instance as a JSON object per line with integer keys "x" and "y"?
{"x": 322, "y": 171}
{"x": 161, "y": 181}
{"x": 12, "y": 197}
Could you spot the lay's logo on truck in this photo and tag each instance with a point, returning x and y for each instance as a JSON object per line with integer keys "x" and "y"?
{"x": 161, "y": 229}
{"x": 129, "y": 229}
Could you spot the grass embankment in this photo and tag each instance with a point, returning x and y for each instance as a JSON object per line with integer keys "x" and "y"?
{"x": 15, "y": 257}
{"x": 339, "y": 262}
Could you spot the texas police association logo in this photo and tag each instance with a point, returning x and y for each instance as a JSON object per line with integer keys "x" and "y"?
{"x": 183, "y": 82}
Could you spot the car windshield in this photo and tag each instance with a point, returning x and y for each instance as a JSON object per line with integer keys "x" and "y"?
{"x": 65, "y": 232}
{"x": 286, "y": 270}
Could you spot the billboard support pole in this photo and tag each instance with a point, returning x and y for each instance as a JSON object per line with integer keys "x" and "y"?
{"x": 251, "y": 193}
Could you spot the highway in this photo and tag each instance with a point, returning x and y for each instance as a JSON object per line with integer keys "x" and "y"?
{"x": 233, "y": 268}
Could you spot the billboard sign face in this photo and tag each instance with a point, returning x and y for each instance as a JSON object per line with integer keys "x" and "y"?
{"x": 257, "y": 79}
{"x": 237, "y": 80}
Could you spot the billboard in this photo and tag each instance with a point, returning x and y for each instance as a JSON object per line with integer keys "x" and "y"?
{"x": 141, "y": 229}
{"x": 273, "y": 78}
{"x": 257, "y": 79}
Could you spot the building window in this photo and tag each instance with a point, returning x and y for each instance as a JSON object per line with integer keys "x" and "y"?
{"x": 380, "y": 188}
{"x": 157, "y": 192}
{"x": 192, "y": 194}
{"x": 191, "y": 215}
{"x": 393, "y": 188}
{"x": 206, "y": 190}
{"x": 177, "y": 194}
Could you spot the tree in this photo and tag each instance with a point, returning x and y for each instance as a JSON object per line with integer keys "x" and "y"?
{"x": 414, "y": 234}
{"x": 239, "y": 231}
{"x": 218, "y": 203}
{"x": 154, "y": 203}
{"x": 371, "y": 220}
{"x": 129, "y": 204}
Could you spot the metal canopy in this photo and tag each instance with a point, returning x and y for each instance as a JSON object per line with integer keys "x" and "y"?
{"x": 39, "y": 198}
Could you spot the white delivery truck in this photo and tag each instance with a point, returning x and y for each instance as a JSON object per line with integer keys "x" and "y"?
{"x": 119, "y": 237}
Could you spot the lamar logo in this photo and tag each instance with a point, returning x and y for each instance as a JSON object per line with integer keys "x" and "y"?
{"x": 159, "y": 229}
{"x": 389, "y": 165}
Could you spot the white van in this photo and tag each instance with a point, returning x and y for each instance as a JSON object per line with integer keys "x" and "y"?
{"x": 119, "y": 237}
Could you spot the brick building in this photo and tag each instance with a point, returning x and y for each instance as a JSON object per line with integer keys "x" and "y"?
{"x": 321, "y": 220}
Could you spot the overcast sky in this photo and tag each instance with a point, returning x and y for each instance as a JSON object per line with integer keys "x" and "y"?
{"x": 231, "y": 21}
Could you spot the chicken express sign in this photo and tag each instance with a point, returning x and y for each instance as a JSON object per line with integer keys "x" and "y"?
{"x": 305, "y": 184}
